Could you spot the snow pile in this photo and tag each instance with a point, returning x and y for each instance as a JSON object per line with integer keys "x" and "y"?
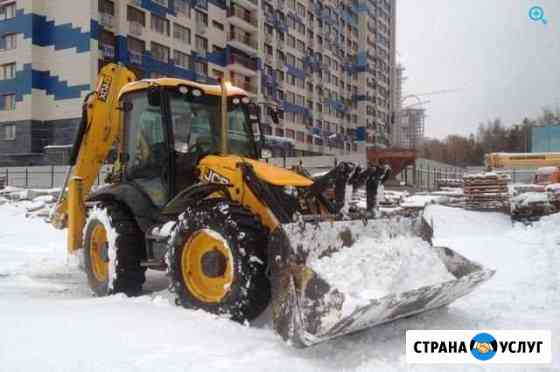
{"x": 374, "y": 268}
{"x": 528, "y": 198}
{"x": 553, "y": 188}
{"x": 421, "y": 200}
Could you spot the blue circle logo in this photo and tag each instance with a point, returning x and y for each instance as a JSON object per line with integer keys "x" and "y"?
{"x": 483, "y": 346}
{"x": 536, "y": 13}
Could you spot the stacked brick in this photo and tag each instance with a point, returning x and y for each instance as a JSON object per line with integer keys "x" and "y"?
{"x": 487, "y": 191}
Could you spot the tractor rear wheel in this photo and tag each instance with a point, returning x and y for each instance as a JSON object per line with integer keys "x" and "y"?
{"x": 113, "y": 249}
{"x": 218, "y": 260}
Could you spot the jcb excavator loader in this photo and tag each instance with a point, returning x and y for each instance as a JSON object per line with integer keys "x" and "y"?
{"x": 187, "y": 194}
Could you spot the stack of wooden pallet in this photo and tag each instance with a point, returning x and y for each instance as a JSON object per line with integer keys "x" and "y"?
{"x": 487, "y": 191}
{"x": 449, "y": 182}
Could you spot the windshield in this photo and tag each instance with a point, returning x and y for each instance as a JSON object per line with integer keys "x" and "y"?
{"x": 197, "y": 122}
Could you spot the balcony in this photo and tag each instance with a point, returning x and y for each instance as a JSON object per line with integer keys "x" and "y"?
{"x": 135, "y": 28}
{"x": 248, "y": 4}
{"x": 107, "y": 20}
{"x": 108, "y": 51}
{"x": 242, "y": 65}
{"x": 135, "y": 57}
{"x": 242, "y": 18}
{"x": 182, "y": 7}
{"x": 243, "y": 41}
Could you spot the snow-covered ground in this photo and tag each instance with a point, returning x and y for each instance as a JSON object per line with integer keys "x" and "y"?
{"x": 49, "y": 322}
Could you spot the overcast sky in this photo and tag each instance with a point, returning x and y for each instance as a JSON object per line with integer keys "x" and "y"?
{"x": 504, "y": 64}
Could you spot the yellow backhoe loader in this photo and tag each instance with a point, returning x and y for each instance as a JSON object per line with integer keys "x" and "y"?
{"x": 188, "y": 194}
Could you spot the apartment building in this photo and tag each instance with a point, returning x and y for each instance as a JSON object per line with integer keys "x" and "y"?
{"x": 326, "y": 65}
{"x": 410, "y": 127}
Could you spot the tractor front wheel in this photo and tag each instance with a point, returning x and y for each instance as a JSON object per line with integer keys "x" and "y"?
{"x": 218, "y": 260}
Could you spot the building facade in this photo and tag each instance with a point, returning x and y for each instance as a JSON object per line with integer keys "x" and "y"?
{"x": 409, "y": 128}
{"x": 327, "y": 65}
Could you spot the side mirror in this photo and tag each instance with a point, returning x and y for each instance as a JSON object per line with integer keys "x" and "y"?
{"x": 154, "y": 96}
{"x": 266, "y": 154}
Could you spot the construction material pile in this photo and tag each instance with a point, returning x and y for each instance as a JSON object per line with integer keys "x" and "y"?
{"x": 531, "y": 206}
{"x": 449, "y": 182}
{"x": 486, "y": 191}
{"x": 37, "y": 202}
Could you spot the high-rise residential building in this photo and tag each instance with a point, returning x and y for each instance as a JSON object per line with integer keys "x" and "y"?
{"x": 328, "y": 65}
{"x": 410, "y": 127}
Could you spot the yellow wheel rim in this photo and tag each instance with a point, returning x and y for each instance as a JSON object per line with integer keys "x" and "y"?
{"x": 206, "y": 265}
{"x": 97, "y": 246}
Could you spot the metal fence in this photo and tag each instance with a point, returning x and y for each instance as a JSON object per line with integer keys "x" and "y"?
{"x": 424, "y": 176}
{"x": 427, "y": 178}
{"x": 41, "y": 176}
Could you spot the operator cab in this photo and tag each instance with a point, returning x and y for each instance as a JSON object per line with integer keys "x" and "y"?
{"x": 170, "y": 125}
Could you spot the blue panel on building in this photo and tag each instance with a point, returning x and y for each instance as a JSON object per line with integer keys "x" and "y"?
{"x": 300, "y": 74}
{"x": 361, "y": 134}
{"x": 28, "y": 79}
{"x": 46, "y": 33}
{"x": 545, "y": 138}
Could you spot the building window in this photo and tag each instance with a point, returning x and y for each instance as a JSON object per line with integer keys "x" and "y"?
{"x": 7, "y": 11}
{"x": 136, "y": 49}
{"x": 9, "y": 132}
{"x": 201, "y": 68}
{"x": 8, "y": 42}
{"x": 182, "y": 60}
{"x": 107, "y": 7}
{"x": 201, "y": 18}
{"x": 160, "y": 25}
{"x": 218, "y": 25}
{"x": 183, "y": 7}
{"x": 8, "y": 71}
{"x": 8, "y": 102}
{"x": 136, "y": 16}
{"x": 182, "y": 33}
{"x": 160, "y": 52}
{"x": 201, "y": 44}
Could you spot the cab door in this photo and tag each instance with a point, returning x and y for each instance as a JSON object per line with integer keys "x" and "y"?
{"x": 146, "y": 147}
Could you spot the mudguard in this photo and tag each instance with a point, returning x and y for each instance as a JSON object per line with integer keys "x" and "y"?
{"x": 140, "y": 204}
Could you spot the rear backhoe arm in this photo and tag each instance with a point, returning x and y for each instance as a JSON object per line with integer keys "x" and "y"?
{"x": 98, "y": 131}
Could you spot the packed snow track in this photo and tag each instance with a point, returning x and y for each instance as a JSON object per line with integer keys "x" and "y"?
{"x": 50, "y": 322}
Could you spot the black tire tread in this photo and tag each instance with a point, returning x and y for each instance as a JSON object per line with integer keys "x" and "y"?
{"x": 236, "y": 220}
{"x": 130, "y": 248}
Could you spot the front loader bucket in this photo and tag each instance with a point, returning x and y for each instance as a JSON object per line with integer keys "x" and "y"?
{"x": 307, "y": 309}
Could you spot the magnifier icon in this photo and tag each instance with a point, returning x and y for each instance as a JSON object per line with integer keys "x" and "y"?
{"x": 536, "y": 14}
